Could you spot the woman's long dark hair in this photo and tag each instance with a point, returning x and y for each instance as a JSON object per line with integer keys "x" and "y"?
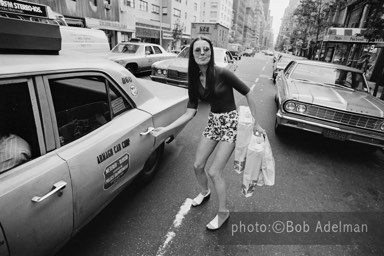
{"x": 194, "y": 70}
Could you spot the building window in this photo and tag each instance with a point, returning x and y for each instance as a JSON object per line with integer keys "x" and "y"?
{"x": 155, "y": 9}
{"x": 130, "y": 3}
{"x": 165, "y": 10}
{"x": 213, "y": 14}
{"x": 143, "y": 5}
{"x": 176, "y": 13}
{"x": 186, "y": 16}
{"x": 194, "y": 18}
{"x": 195, "y": 6}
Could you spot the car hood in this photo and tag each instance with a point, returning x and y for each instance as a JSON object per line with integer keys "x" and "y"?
{"x": 179, "y": 64}
{"x": 337, "y": 98}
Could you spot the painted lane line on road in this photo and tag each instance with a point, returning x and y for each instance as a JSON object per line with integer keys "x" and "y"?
{"x": 253, "y": 86}
{"x": 184, "y": 209}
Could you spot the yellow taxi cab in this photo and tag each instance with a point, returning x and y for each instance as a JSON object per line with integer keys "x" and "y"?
{"x": 86, "y": 121}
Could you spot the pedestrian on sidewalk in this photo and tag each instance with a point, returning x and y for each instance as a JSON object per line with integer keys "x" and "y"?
{"x": 215, "y": 85}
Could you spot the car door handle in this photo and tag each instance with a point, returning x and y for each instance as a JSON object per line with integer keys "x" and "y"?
{"x": 57, "y": 187}
{"x": 148, "y": 131}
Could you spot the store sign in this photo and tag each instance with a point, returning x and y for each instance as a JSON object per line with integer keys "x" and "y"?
{"x": 105, "y": 24}
{"x": 204, "y": 30}
{"x": 147, "y": 33}
{"x": 24, "y": 8}
{"x": 349, "y": 39}
{"x": 347, "y": 35}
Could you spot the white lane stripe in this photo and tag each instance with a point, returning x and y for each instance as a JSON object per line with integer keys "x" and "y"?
{"x": 257, "y": 79}
{"x": 252, "y": 87}
{"x": 184, "y": 209}
{"x": 373, "y": 104}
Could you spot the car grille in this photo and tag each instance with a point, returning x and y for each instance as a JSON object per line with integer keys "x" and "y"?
{"x": 173, "y": 74}
{"x": 343, "y": 118}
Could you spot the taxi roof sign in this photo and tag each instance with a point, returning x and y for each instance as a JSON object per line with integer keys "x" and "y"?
{"x": 21, "y": 36}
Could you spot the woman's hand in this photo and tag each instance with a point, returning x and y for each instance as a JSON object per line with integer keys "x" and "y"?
{"x": 257, "y": 128}
{"x": 158, "y": 131}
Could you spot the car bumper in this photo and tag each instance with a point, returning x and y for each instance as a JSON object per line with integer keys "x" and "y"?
{"x": 170, "y": 81}
{"x": 339, "y": 132}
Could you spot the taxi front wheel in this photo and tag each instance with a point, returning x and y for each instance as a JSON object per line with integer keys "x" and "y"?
{"x": 151, "y": 165}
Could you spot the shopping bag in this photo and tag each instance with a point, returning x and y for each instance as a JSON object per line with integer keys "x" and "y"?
{"x": 244, "y": 133}
{"x": 267, "y": 174}
{"x": 253, "y": 165}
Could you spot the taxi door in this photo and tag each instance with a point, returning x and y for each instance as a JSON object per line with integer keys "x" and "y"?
{"x": 104, "y": 159}
{"x": 36, "y": 213}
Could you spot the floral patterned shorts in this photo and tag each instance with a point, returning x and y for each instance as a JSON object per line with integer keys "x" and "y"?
{"x": 222, "y": 126}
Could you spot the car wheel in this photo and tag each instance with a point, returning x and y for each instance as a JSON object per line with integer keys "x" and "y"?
{"x": 132, "y": 68}
{"x": 279, "y": 129}
{"x": 151, "y": 165}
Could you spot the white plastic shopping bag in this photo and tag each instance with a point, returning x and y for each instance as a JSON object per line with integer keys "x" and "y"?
{"x": 253, "y": 164}
{"x": 253, "y": 155}
{"x": 244, "y": 133}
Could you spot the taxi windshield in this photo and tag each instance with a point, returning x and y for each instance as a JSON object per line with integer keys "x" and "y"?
{"x": 126, "y": 48}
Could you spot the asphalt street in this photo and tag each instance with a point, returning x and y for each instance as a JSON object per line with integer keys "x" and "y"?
{"x": 313, "y": 175}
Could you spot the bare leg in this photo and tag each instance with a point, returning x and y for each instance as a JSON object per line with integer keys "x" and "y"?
{"x": 204, "y": 150}
{"x": 223, "y": 153}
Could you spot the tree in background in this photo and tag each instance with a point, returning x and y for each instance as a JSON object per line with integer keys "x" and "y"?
{"x": 375, "y": 21}
{"x": 177, "y": 34}
{"x": 311, "y": 18}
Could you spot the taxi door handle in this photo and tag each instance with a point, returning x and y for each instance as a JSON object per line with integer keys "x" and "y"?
{"x": 148, "y": 131}
{"x": 57, "y": 187}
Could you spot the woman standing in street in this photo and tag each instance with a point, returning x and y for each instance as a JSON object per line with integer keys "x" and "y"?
{"x": 215, "y": 85}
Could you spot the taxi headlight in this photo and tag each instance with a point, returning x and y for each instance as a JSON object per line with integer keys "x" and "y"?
{"x": 290, "y": 106}
{"x": 164, "y": 72}
{"x": 301, "y": 108}
{"x": 159, "y": 71}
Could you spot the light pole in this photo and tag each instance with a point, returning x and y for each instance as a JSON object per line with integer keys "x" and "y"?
{"x": 161, "y": 23}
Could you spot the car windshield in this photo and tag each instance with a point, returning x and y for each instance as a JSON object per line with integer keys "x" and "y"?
{"x": 184, "y": 53}
{"x": 330, "y": 76}
{"x": 126, "y": 48}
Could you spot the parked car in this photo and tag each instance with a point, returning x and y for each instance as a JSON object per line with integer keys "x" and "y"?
{"x": 268, "y": 52}
{"x": 329, "y": 99}
{"x": 175, "y": 71}
{"x": 249, "y": 53}
{"x": 87, "y": 121}
{"x": 138, "y": 57}
{"x": 280, "y": 61}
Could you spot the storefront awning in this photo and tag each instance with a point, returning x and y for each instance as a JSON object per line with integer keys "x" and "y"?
{"x": 107, "y": 24}
{"x": 348, "y": 35}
